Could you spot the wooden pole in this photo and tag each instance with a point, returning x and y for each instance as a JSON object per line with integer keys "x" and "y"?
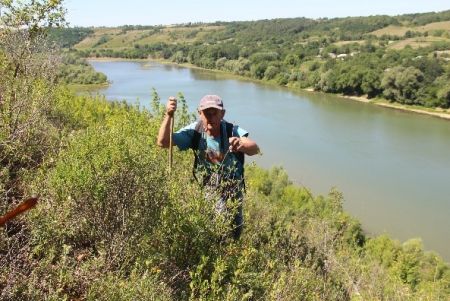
{"x": 172, "y": 120}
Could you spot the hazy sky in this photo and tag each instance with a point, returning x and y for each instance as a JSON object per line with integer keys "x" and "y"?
{"x": 163, "y": 12}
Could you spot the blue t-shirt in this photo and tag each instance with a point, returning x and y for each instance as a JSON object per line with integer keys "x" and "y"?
{"x": 213, "y": 152}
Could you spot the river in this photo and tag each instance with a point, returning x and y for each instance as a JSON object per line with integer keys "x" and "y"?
{"x": 392, "y": 166}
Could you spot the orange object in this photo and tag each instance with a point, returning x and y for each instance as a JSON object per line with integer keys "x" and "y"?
{"x": 24, "y": 206}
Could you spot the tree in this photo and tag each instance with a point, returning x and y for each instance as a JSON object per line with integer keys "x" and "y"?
{"x": 271, "y": 72}
{"x": 25, "y": 27}
{"x": 179, "y": 57}
{"x": 371, "y": 83}
{"x": 443, "y": 96}
{"x": 28, "y": 70}
{"x": 430, "y": 67}
{"x": 402, "y": 84}
{"x": 258, "y": 70}
{"x": 292, "y": 60}
{"x": 36, "y": 17}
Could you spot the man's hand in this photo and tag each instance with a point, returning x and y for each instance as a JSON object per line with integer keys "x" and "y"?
{"x": 235, "y": 144}
{"x": 171, "y": 106}
{"x": 164, "y": 134}
{"x": 243, "y": 144}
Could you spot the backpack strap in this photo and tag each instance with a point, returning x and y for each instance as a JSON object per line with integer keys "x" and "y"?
{"x": 240, "y": 156}
{"x": 198, "y": 132}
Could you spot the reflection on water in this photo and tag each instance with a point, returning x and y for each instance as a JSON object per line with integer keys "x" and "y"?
{"x": 392, "y": 166}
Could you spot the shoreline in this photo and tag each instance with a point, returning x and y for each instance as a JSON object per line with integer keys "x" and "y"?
{"x": 440, "y": 113}
{"x": 444, "y": 114}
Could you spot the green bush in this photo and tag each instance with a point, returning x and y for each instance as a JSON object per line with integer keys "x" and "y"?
{"x": 134, "y": 287}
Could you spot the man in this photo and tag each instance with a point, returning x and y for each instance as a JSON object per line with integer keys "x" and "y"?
{"x": 219, "y": 149}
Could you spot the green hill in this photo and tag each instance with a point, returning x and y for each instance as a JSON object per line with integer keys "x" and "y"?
{"x": 304, "y": 53}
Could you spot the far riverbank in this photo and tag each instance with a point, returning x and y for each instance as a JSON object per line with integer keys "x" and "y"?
{"x": 441, "y": 113}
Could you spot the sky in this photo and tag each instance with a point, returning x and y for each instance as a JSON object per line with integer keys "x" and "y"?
{"x": 164, "y": 12}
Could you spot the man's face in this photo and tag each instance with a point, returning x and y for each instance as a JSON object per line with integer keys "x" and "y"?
{"x": 211, "y": 118}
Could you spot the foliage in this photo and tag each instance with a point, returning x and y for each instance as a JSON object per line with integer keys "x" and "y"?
{"x": 137, "y": 286}
{"x": 28, "y": 71}
{"x": 444, "y": 96}
{"x": 103, "y": 40}
{"x": 76, "y": 70}
{"x": 68, "y": 37}
{"x": 402, "y": 84}
{"x": 36, "y": 17}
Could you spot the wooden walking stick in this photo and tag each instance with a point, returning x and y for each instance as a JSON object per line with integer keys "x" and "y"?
{"x": 24, "y": 206}
{"x": 172, "y": 120}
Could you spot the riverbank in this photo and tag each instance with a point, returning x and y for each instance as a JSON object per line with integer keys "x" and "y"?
{"x": 87, "y": 87}
{"x": 440, "y": 113}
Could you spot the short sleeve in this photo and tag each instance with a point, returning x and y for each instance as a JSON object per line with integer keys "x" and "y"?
{"x": 183, "y": 137}
{"x": 239, "y": 132}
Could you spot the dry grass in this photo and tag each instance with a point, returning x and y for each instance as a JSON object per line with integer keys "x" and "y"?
{"x": 98, "y": 33}
{"x": 87, "y": 42}
{"x": 416, "y": 42}
{"x": 106, "y": 30}
{"x": 180, "y": 34}
{"x": 445, "y": 25}
{"x": 391, "y": 30}
{"x": 342, "y": 43}
{"x": 125, "y": 39}
{"x": 169, "y": 34}
{"x": 401, "y": 30}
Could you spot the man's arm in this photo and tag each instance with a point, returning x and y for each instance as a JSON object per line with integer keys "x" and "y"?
{"x": 164, "y": 130}
{"x": 243, "y": 144}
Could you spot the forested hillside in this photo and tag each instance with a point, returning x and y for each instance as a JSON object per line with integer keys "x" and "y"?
{"x": 404, "y": 59}
{"x": 112, "y": 223}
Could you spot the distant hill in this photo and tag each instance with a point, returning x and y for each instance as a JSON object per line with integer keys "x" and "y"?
{"x": 357, "y": 56}
{"x": 294, "y": 29}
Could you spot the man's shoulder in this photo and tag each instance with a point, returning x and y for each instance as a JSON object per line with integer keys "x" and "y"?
{"x": 236, "y": 130}
{"x": 190, "y": 127}
{"x": 183, "y": 137}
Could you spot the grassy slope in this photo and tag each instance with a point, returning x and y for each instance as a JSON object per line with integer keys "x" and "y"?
{"x": 123, "y": 39}
{"x": 401, "y": 30}
{"x": 416, "y": 42}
